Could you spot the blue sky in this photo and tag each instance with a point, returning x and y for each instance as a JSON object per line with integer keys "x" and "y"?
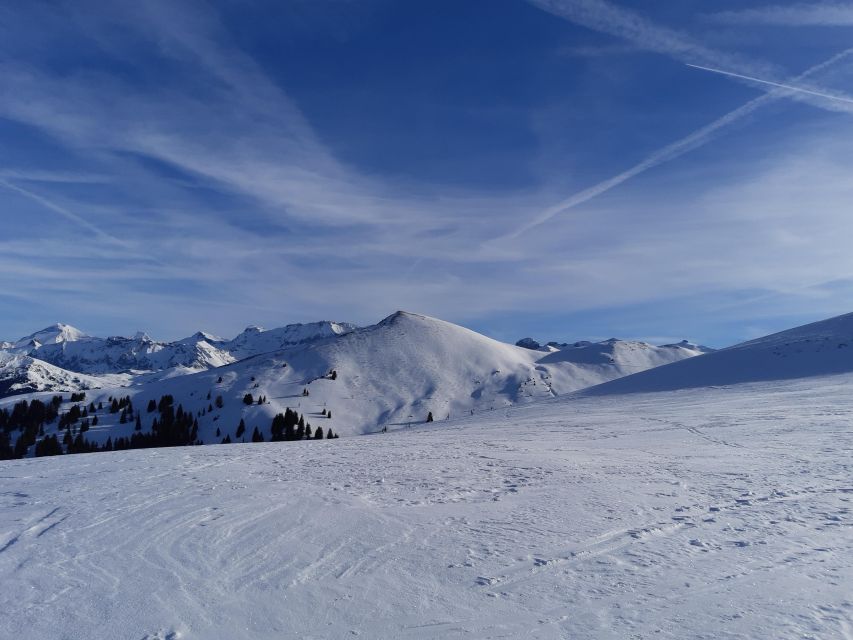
{"x": 548, "y": 167}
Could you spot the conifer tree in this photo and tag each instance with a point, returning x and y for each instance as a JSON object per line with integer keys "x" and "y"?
{"x": 318, "y": 434}
{"x": 429, "y": 417}
{"x": 247, "y": 399}
{"x": 241, "y": 429}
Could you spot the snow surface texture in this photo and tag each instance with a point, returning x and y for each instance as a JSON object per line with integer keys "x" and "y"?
{"x": 705, "y": 513}
{"x": 391, "y": 374}
{"x": 818, "y": 348}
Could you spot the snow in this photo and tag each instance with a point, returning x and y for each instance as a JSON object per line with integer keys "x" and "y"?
{"x": 389, "y": 375}
{"x": 21, "y": 374}
{"x": 819, "y": 348}
{"x": 54, "y": 334}
{"x": 699, "y": 513}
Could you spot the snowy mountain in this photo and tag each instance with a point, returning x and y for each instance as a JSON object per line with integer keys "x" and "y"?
{"x": 70, "y": 352}
{"x": 255, "y": 340}
{"x": 55, "y": 334}
{"x": 24, "y": 374}
{"x": 819, "y": 348}
{"x": 140, "y": 353}
{"x": 389, "y": 375}
{"x": 630, "y": 356}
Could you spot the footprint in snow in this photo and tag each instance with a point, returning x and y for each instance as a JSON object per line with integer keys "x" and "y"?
{"x": 162, "y": 635}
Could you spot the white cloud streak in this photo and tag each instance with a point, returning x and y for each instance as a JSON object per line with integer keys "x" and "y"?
{"x": 64, "y": 212}
{"x": 780, "y": 85}
{"x": 671, "y": 151}
{"x": 617, "y": 21}
{"x": 818, "y": 14}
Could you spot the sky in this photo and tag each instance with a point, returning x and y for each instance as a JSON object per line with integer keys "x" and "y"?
{"x": 544, "y": 168}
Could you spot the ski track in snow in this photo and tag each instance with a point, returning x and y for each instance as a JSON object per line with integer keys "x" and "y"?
{"x": 708, "y": 513}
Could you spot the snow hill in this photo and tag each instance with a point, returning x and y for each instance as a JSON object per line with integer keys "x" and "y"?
{"x": 389, "y": 375}
{"x": 71, "y": 352}
{"x": 24, "y": 374}
{"x": 709, "y": 513}
{"x": 816, "y": 349}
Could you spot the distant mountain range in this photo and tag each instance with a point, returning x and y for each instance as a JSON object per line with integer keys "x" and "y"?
{"x": 390, "y": 374}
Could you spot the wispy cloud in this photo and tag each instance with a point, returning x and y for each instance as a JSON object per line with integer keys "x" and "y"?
{"x": 633, "y": 27}
{"x": 821, "y": 14}
{"x": 672, "y": 151}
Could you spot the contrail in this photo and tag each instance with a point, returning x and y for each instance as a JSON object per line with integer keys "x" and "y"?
{"x": 65, "y": 213}
{"x": 775, "y": 84}
{"x": 671, "y": 151}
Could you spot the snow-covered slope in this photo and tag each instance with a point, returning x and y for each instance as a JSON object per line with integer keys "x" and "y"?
{"x": 815, "y": 349}
{"x": 392, "y": 374}
{"x": 70, "y": 349}
{"x": 22, "y": 374}
{"x": 629, "y": 355}
{"x": 691, "y": 514}
{"x": 55, "y": 334}
{"x": 140, "y": 353}
{"x": 255, "y": 340}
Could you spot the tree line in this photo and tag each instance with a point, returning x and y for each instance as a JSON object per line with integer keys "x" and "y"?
{"x": 172, "y": 426}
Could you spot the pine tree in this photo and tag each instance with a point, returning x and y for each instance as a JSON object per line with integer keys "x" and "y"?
{"x": 95, "y": 421}
{"x": 328, "y": 414}
{"x": 123, "y": 418}
{"x": 247, "y": 399}
{"x": 256, "y": 436}
{"x": 152, "y": 406}
{"x": 318, "y": 434}
{"x": 137, "y": 426}
{"x": 217, "y": 432}
{"x": 329, "y": 435}
{"x": 241, "y": 429}
{"x": 308, "y": 431}
{"x": 219, "y": 403}
{"x": 429, "y": 417}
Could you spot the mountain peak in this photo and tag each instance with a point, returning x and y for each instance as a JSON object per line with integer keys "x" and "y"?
{"x": 54, "y": 334}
